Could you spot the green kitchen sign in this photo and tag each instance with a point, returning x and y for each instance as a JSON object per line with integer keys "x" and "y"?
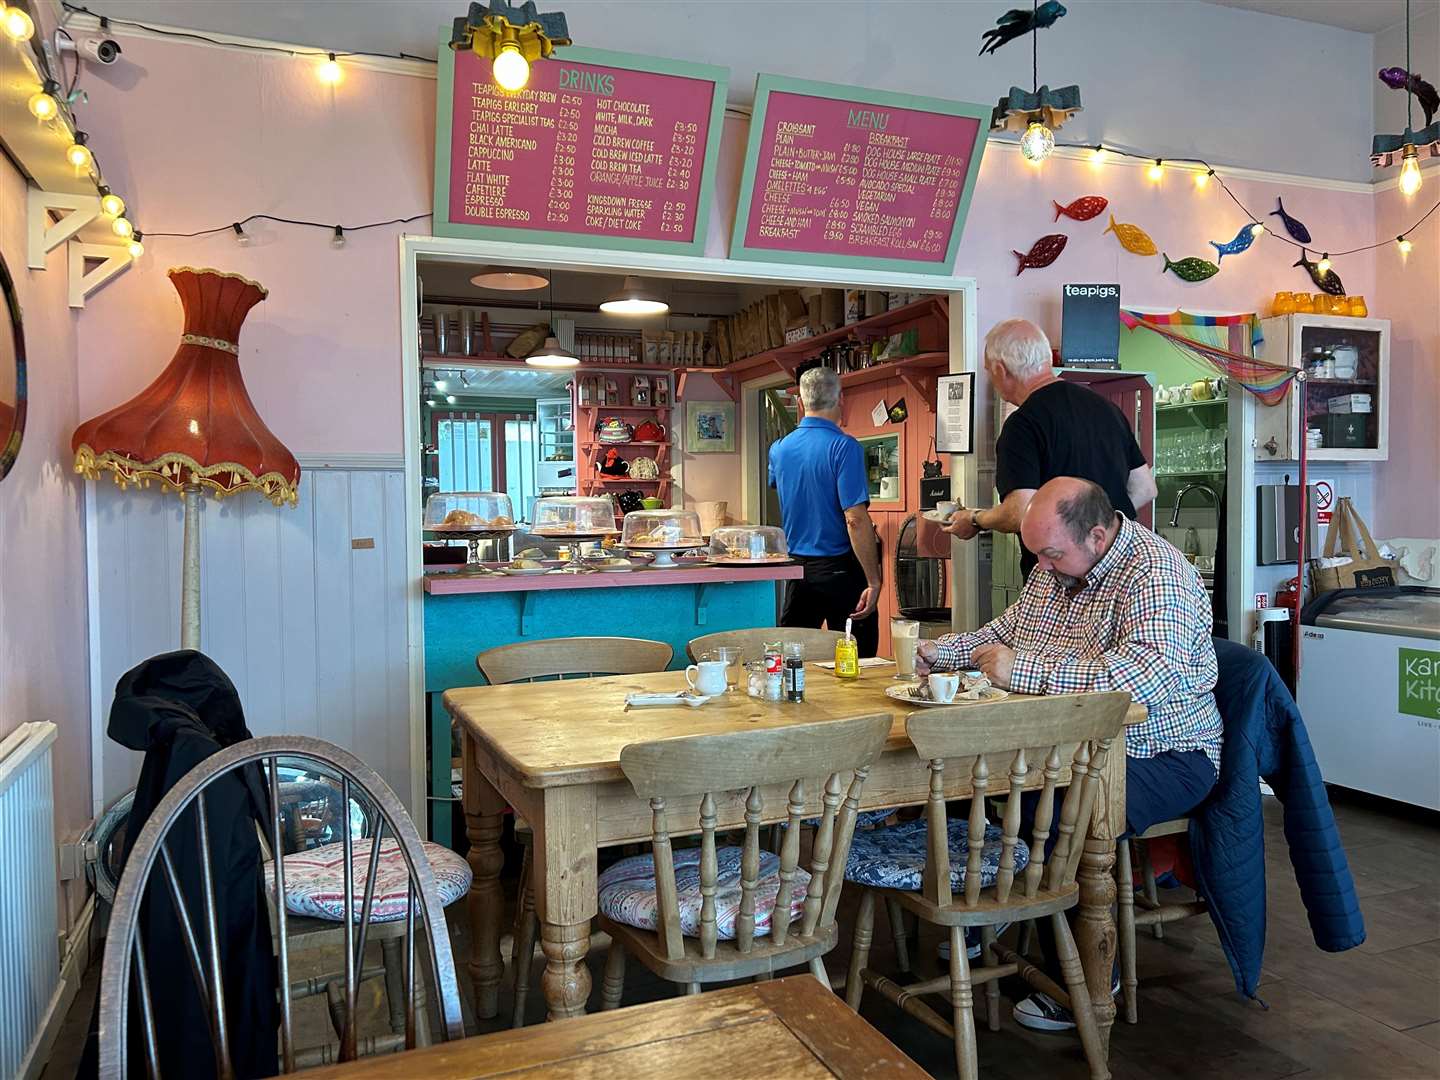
{"x": 1420, "y": 683}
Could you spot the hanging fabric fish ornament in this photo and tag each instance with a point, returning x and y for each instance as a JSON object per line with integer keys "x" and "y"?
{"x": 1397, "y": 78}
{"x": 1191, "y": 269}
{"x": 1295, "y": 228}
{"x": 1243, "y": 239}
{"x": 1042, "y": 253}
{"x": 1327, "y": 281}
{"x": 1132, "y": 238}
{"x": 1083, "y": 209}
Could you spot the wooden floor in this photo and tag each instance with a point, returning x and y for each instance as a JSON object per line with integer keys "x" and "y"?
{"x": 1369, "y": 1014}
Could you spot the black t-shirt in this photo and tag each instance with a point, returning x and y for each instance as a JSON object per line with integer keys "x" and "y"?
{"x": 1064, "y": 429}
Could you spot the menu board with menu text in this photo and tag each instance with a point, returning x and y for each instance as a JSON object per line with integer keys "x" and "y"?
{"x": 845, "y": 176}
{"x": 609, "y": 150}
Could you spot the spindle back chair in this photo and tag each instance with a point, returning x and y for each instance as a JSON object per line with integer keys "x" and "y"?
{"x": 819, "y": 644}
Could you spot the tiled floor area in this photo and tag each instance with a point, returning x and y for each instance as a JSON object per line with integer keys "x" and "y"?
{"x": 1370, "y": 1014}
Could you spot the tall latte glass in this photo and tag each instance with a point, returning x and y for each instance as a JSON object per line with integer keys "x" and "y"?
{"x": 904, "y": 636}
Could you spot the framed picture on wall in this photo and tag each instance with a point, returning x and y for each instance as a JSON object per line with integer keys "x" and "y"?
{"x": 955, "y": 413}
{"x": 709, "y": 427}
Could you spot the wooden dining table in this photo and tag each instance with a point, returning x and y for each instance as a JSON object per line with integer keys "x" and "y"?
{"x": 551, "y": 750}
{"x": 790, "y": 1028}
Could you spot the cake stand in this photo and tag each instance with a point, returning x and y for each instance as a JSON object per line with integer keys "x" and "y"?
{"x": 665, "y": 552}
{"x": 473, "y": 534}
{"x": 574, "y": 564}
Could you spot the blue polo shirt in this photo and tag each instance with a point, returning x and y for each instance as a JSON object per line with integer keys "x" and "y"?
{"x": 819, "y": 472}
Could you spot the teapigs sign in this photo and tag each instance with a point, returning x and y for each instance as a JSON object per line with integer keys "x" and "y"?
{"x": 844, "y": 176}
{"x": 605, "y": 149}
{"x": 1419, "y": 683}
{"x": 1090, "y": 326}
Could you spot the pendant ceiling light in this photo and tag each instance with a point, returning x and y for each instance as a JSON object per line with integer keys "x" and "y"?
{"x": 1410, "y": 145}
{"x": 634, "y": 299}
{"x": 510, "y": 278}
{"x": 551, "y": 355}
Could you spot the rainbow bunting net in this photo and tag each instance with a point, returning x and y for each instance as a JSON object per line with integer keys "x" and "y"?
{"x": 1200, "y": 342}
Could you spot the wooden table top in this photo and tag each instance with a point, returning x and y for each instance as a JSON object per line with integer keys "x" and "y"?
{"x": 560, "y": 733}
{"x": 791, "y": 1027}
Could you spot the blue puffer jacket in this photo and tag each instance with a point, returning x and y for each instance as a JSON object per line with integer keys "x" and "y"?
{"x": 1265, "y": 737}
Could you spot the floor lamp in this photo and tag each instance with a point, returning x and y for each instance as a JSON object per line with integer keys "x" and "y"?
{"x": 194, "y": 428}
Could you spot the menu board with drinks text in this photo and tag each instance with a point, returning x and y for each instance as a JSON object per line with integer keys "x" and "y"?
{"x": 845, "y": 176}
{"x": 608, "y": 150}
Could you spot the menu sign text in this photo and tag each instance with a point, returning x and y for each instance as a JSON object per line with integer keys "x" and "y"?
{"x": 849, "y": 176}
{"x": 603, "y": 148}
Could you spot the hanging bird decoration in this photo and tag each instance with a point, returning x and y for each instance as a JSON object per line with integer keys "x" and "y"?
{"x": 1326, "y": 281}
{"x": 1083, "y": 209}
{"x": 1016, "y": 23}
{"x": 1243, "y": 239}
{"x": 1397, "y": 78}
{"x": 1293, "y": 226}
{"x": 1042, "y": 253}
{"x": 1132, "y": 238}
{"x": 1191, "y": 269}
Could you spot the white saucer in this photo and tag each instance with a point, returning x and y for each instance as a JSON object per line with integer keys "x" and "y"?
{"x": 905, "y": 691}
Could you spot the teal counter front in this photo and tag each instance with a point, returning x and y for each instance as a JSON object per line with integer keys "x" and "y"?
{"x": 465, "y": 615}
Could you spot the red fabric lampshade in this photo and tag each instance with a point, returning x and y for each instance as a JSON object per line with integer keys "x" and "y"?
{"x": 195, "y": 424}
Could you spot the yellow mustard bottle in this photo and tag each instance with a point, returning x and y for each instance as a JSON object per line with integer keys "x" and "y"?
{"x": 847, "y": 658}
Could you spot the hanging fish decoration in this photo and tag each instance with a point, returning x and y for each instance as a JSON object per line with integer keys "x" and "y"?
{"x": 1132, "y": 238}
{"x": 1042, "y": 253}
{"x": 1191, "y": 269}
{"x": 1294, "y": 227}
{"x": 1083, "y": 209}
{"x": 1243, "y": 239}
{"x": 1327, "y": 282}
{"x": 1397, "y": 78}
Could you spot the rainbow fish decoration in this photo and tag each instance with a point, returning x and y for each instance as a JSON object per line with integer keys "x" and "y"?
{"x": 1132, "y": 238}
{"x": 1042, "y": 253}
{"x": 1082, "y": 209}
{"x": 1243, "y": 239}
{"x": 1191, "y": 269}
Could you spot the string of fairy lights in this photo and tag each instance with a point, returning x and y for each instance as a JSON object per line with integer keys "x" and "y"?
{"x": 52, "y": 102}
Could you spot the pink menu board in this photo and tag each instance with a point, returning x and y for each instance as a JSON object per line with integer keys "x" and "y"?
{"x": 838, "y": 175}
{"x": 605, "y": 149}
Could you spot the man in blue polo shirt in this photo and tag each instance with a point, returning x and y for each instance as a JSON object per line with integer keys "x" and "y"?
{"x": 819, "y": 472}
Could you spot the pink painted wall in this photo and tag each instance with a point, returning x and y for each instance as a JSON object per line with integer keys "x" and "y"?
{"x": 43, "y": 644}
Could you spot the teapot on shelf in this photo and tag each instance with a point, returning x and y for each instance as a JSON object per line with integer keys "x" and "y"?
{"x": 650, "y": 431}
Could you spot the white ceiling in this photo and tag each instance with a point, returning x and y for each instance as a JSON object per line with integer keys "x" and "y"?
{"x": 1365, "y": 16}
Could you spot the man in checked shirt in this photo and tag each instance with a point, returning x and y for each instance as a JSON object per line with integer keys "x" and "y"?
{"x": 1109, "y": 606}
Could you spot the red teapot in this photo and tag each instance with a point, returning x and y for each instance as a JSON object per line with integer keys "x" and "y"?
{"x": 650, "y": 431}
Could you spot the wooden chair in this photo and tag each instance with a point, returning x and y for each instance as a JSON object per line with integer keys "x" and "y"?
{"x": 557, "y": 658}
{"x": 1155, "y": 914}
{"x": 994, "y": 886}
{"x": 819, "y": 644}
{"x": 124, "y": 962}
{"x": 741, "y": 924}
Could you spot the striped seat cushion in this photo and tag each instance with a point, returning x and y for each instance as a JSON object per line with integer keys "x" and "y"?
{"x": 627, "y": 892}
{"x": 315, "y": 880}
{"x": 894, "y": 857}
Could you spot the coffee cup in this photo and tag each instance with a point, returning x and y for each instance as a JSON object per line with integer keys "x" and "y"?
{"x": 944, "y": 685}
{"x": 945, "y": 507}
{"x": 707, "y": 677}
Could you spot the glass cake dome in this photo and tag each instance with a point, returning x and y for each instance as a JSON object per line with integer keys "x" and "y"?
{"x": 743, "y": 544}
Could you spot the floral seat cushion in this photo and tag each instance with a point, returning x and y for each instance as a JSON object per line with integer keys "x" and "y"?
{"x": 894, "y": 857}
{"x": 315, "y": 880}
{"x": 627, "y": 892}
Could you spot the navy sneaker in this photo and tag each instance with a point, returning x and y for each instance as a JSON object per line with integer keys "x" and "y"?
{"x": 1041, "y": 1012}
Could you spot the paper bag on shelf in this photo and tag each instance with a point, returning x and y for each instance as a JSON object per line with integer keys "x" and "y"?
{"x": 712, "y": 515}
{"x": 1349, "y": 537}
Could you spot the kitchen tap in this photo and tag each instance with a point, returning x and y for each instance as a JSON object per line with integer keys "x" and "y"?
{"x": 1175, "y": 515}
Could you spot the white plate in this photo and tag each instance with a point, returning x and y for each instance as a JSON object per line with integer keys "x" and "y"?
{"x": 614, "y": 569}
{"x": 903, "y": 691}
{"x": 936, "y": 516}
{"x": 524, "y": 571}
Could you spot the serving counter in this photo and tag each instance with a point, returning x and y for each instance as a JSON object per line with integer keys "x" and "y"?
{"x": 466, "y": 614}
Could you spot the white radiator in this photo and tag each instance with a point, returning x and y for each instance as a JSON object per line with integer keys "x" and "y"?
{"x": 29, "y": 927}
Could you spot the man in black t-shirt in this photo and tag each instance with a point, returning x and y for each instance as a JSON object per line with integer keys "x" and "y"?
{"x": 1057, "y": 429}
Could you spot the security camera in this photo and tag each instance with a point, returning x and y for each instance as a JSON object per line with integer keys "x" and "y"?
{"x": 101, "y": 50}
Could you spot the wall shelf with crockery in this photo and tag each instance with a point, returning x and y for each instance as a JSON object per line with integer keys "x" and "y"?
{"x": 1192, "y": 404}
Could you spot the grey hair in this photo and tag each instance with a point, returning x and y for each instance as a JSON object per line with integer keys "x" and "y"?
{"x": 1085, "y": 510}
{"x": 820, "y": 389}
{"x": 1020, "y": 347}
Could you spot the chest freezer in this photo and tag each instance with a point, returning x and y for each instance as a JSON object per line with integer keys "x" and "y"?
{"x": 1370, "y": 692}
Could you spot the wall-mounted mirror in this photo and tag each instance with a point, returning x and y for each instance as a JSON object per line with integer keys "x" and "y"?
{"x": 12, "y": 374}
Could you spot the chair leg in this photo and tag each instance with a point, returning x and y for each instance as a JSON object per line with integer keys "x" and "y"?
{"x": 962, "y": 1001}
{"x": 691, "y": 989}
{"x": 1125, "y": 905}
{"x": 817, "y": 968}
{"x": 1026, "y": 940}
{"x": 390, "y": 952}
{"x": 896, "y": 916}
{"x": 860, "y": 951}
{"x": 992, "y": 988}
{"x": 613, "y": 987}
{"x": 1074, "y": 976}
{"x": 1152, "y": 891}
{"x": 527, "y": 925}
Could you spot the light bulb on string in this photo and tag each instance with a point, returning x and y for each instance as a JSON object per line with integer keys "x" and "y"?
{"x": 122, "y": 228}
{"x": 1156, "y": 171}
{"x": 1404, "y": 245}
{"x": 1323, "y": 266}
{"x": 18, "y": 24}
{"x": 241, "y": 236}
{"x": 42, "y": 103}
{"x": 1037, "y": 143}
{"x": 450, "y": 399}
{"x": 77, "y": 153}
{"x": 111, "y": 205}
{"x": 1256, "y": 228}
{"x": 1410, "y": 170}
{"x": 330, "y": 72}
{"x": 338, "y": 240}
{"x": 510, "y": 68}
{"x": 1202, "y": 179}
{"x": 135, "y": 247}
{"x": 1097, "y": 156}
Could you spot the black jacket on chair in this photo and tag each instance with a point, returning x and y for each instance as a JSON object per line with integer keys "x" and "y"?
{"x": 179, "y": 709}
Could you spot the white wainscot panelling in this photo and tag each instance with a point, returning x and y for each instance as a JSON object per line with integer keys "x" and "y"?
{"x": 1354, "y": 480}
{"x": 306, "y": 617}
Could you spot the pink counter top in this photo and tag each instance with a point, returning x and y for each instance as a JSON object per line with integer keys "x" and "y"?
{"x": 452, "y": 584}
